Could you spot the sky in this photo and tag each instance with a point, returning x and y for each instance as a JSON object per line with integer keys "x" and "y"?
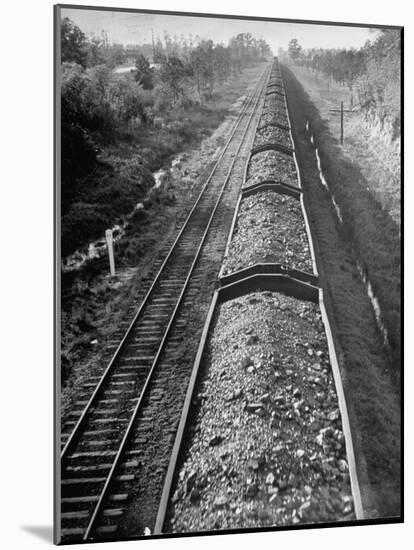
{"x": 135, "y": 28}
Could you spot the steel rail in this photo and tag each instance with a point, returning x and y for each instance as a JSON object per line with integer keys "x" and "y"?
{"x": 148, "y": 380}
{"x": 162, "y": 511}
{"x": 346, "y": 425}
{"x": 88, "y": 406}
{"x": 169, "y": 478}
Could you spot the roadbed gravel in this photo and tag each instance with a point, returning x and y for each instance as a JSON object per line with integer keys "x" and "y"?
{"x": 266, "y": 447}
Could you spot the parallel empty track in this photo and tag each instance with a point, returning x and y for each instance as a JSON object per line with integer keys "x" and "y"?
{"x": 108, "y": 456}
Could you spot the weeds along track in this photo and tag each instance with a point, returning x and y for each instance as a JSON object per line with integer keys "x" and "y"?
{"x": 264, "y": 436}
{"x": 116, "y": 446}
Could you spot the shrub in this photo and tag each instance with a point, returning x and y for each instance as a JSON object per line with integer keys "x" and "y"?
{"x": 102, "y": 198}
{"x": 162, "y": 103}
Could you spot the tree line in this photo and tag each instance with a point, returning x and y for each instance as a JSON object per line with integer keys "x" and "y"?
{"x": 96, "y": 103}
{"x": 157, "y": 106}
{"x": 199, "y": 64}
{"x": 374, "y": 69}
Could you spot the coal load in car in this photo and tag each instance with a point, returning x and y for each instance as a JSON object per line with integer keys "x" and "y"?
{"x": 272, "y": 165}
{"x": 272, "y": 134}
{"x": 272, "y": 116}
{"x": 268, "y": 445}
{"x": 270, "y": 229}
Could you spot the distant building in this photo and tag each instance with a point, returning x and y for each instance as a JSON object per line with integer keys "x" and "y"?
{"x": 131, "y": 53}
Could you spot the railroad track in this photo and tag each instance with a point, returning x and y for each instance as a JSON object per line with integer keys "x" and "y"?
{"x": 115, "y": 456}
{"x": 302, "y": 291}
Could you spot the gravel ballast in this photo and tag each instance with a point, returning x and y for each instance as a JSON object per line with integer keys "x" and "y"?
{"x": 269, "y": 228}
{"x": 272, "y": 165}
{"x": 266, "y": 447}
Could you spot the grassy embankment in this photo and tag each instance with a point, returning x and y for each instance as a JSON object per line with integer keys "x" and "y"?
{"x": 370, "y": 371}
{"x": 93, "y": 305}
{"x": 352, "y": 175}
{"x": 121, "y": 177}
{"x": 378, "y": 159}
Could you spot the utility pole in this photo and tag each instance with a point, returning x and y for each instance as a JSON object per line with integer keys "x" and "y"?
{"x": 341, "y": 111}
{"x": 109, "y": 242}
{"x": 153, "y": 46}
{"x": 104, "y": 35}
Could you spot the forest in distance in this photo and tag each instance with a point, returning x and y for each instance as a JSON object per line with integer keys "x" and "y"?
{"x": 118, "y": 128}
{"x": 374, "y": 69}
{"x": 247, "y": 172}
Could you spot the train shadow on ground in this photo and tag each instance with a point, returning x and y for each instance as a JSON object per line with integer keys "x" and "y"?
{"x": 367, "y": 227}
{"x": 370, "y": 370}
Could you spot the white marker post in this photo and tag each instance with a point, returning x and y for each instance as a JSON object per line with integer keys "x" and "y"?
{"x": 109, "y": 240}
